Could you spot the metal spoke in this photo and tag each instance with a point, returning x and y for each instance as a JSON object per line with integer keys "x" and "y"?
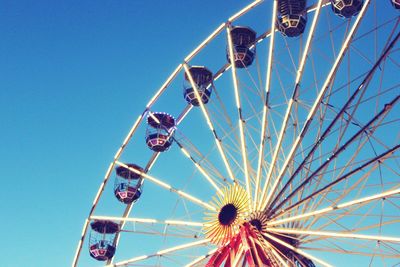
{"x": 241, "y": 120}
{"x": 159, "y": 253}
{"x": 336, "y": 153}
{"x": 199, "y": 259}
{"x": 145, "y": 220}
{"x": 301, "y": 252}
{"x": 218, "y": 141}
{"x": 168, "y": 187}
{"x": 335, "y": 234}
{"x": 320, "y": 212}
{"x": 198, "y": 167}
{"x": 362, "y": 86}
{"x": 317, "y": 101}
{"x": 266, "y": 103}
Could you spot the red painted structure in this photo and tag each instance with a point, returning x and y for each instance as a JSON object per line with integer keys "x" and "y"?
{"x": 250, "y": 241}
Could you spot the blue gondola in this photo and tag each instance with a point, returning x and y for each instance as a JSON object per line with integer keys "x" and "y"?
{"x": 101, "y": 241}
{"x": 244, "y": 50}
{"x": 292, "y": 17}
{"x": 203, "y": 78}
{"x": 128, "y": 185}
{"x": 346, "y": 8}
{"x": 159, "y": 134}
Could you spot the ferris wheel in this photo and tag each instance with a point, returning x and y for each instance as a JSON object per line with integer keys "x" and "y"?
{"x": 274, "y": 143}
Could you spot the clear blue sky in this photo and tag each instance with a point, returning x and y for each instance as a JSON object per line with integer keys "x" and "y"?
{"x": 74, "y": 75}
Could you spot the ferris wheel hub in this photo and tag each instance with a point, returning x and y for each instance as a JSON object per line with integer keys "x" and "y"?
{"x": 228, "y": 214}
